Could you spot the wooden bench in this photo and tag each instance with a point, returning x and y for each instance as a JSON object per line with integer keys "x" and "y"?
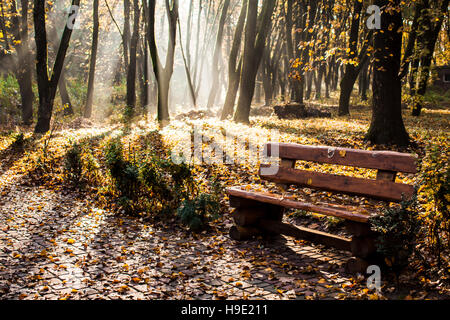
{"x": 260, "y": 213}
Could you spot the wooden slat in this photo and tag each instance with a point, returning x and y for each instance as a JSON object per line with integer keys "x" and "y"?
{"x": 380, "y": 189}
{"x": 382, "y": 160}
{"x": 307, "y": 234}
{"x": 266, "y": 197}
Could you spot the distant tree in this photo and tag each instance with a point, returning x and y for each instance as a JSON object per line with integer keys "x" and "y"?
{"x": 22, "y": 66}
{"x": 131, "y": 72}
{"x": 94, "y": 47}
{"x": 126, "y": 37}
{"x": 256, "y": 31}
{"x": 387, "y": 125}
{"x": 234, "y": 68}
{"x": 47, "y": 86}
{"x": 163, "y": 75}
{"x": 430, "y": 24}
{"x": 217, "y": 54}
{"x": 350, "y": 74}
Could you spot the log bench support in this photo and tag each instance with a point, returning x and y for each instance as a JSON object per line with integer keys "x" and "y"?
{"x": 261, "y": 213}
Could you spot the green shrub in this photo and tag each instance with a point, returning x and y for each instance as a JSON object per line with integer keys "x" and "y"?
{"x": 18, "y": 141}
{"x": 397, "y": 228}
{"x": 73, "y": 166}
{"x": 125, "y": 175}
{"x": 197, "y": 212}
{"x": 155, "y": 184}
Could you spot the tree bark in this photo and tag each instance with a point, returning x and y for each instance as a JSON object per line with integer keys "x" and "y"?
{"x": 94, "y": 47}
{"x": 387, "y": 125}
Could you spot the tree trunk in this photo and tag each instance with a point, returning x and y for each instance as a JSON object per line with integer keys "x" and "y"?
{"x": 294, "y": 82}
{"x": 163, "y": 74}
{"x": 234, "y": 69}
{"x": 131, "y": 74}
{"x": 427, "y": 40}
{"x": 364, "y": 83}
{"x": 64, "y": 93}
{"x": 217, "y": 54}
{"x": 47, "y": 86}
{"x": 411, "y": 39}
{"x": 387, "y": 125}
{"x": 126, "y": 32}
{"x": 251, "y": 59}
{"x": 350, "y": 75}
{"x": 90, "y": 92}
{"x": 23, "y": 69}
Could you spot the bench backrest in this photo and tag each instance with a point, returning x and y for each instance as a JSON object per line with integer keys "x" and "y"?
{"x": 388, "y": 163}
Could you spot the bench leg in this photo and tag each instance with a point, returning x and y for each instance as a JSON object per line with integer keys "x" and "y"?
{"x": 363, "y": 247}
{"x": 356, "y": 265}
{"x": 243, "y": 233}
{"x": 247, "y": 218}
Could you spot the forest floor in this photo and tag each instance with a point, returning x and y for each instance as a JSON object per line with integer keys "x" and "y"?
{"x": 59, "y": 242}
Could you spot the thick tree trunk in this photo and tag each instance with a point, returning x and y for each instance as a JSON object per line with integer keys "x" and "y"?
{"x": 247, "y": 82}
{"x": 47, "y": 86}
{"x": 387, "y": 125}
{"x": 90, "y": 92}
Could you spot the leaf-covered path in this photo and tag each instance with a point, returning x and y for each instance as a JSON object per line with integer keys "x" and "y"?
{"x": 54, "y": 247}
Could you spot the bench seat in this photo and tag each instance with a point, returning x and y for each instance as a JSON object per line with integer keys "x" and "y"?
{"x": 290, "y": 203}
